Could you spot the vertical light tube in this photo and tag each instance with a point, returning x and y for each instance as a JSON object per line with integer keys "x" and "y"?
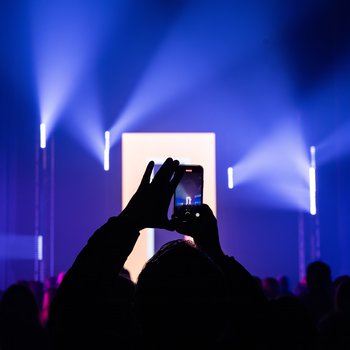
{"x": 230, "y": 178}
{"x": 150, "y": 242}
{"x": 40, "y": 247}
{"x": 312, "y": 156}
{"x": 42, "y": 135}
{"x": 312, "y": 180}
{"x": 106, "y": 151}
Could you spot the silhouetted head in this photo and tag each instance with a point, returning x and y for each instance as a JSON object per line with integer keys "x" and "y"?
{"x": 318, "y": 276}
{"x": 19, "y": 320}
{"x": 180, "y": 295}
{"x": 342, "y": 295}
{"x": 19, "y": 307}
{"x": 339, "y": 280}
{"x": 283, "y": 282}
{"x": 270, "y": 287}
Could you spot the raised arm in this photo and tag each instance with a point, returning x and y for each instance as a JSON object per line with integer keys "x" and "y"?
{"x": 86, "y": 306}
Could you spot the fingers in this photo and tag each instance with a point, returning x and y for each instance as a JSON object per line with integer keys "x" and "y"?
{"x": 206, "y": 210}
{"x": 166, "y": 171}
{"x": 179, "y": 172}
{"x": 147, "y": 175}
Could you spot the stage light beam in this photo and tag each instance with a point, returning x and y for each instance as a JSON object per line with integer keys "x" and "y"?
{"x": 106, "y": 151}
{"x": 42, "y": 135}
{"x": 312, "y": 180}
{"x": 230, "y": 178}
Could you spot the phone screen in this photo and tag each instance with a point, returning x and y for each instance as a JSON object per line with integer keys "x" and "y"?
{"x": 189, "y": 192}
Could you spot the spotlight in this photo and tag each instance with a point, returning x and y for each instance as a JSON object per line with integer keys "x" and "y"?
{"x": 40, "y": 247}
{"x": 106, "y": 151}
{"x": 230, "y": 178}
{"x": 42, "y": 135}
{"x": 312, "y": 156}
{"x": 312, "y": 180}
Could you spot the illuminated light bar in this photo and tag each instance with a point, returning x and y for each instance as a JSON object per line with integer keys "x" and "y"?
{"x": 42, "y": 135}
{"x": 106, "y": 151}
{"x": 40, "y": 247}
{"x": 312, "y": 156}
{"x": 312, "y": 180}
{"x": 230, "y": 178}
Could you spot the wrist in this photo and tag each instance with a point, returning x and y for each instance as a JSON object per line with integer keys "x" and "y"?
{"x": 130, "y": 221}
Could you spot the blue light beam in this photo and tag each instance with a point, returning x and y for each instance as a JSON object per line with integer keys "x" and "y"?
{"x": 278, "y": 168}
{"x": 66, "y": 37}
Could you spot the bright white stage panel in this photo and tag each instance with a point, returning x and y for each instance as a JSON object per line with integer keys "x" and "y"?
{"x": 138, "y": 149}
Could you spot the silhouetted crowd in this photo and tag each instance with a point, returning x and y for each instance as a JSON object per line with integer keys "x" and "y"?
{"x": 188, "y": 295}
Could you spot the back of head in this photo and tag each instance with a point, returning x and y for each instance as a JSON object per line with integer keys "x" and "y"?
{"x": 19, "y": 320}
{"x": 180, "y": 295}
{"x": 19, "y": 307}
{"x": 342, "y": 296}
{"x": 270, "y": 287}
{"x": 318, "y": 276}
{"x": 283, "y": 282}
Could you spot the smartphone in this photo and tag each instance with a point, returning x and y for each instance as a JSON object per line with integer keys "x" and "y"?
{"x": 189, "y": 192}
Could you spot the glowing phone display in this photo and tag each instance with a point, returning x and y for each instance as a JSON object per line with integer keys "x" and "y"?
{"x": 189, "y": 192}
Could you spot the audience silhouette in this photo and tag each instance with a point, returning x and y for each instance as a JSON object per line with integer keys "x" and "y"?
{"x": 335, "y": 327}
{"x": 318, "y": 296}
{"x": 188, "y": 295}
{"x": 19, "y": 320}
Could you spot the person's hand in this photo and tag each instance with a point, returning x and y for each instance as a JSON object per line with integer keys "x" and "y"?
{"x": 149, "y": 205}
{"x": 203, "y": 229}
